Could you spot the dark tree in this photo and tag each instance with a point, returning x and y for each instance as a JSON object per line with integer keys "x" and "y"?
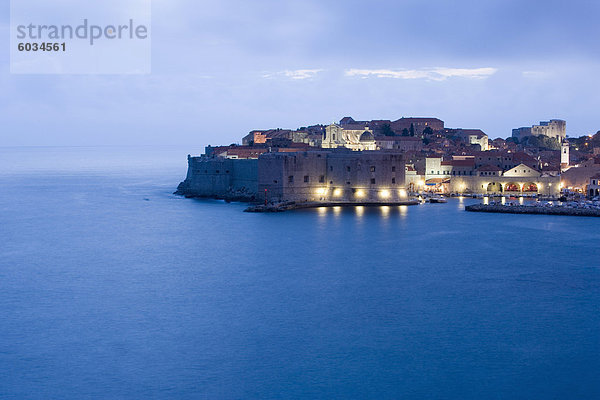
{"x": 428, "y": 131}
{"x": 404, "y": 132}
{"x": 412, "y": 129}
{"x": 387, "y": 130}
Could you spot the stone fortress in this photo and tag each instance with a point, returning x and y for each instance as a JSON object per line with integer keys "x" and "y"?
{"x": 555, "y": 128}
{"x": 333, "y": 176}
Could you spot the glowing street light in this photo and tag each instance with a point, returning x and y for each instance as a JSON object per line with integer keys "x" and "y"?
{"x": 385, "y": 194}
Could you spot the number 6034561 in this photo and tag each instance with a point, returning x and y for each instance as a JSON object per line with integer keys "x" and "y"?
{"x": 45, "y": 46}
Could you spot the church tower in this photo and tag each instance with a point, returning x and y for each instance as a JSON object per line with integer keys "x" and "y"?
{"x": 564, "y": 154}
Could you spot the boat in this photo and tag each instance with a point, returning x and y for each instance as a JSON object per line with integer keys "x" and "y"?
{"x": 437, "y": 199}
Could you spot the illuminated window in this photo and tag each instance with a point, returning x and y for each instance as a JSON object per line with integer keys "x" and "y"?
{"x": 372, "y": 168}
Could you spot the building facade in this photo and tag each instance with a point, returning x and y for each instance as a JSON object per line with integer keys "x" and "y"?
{"x": 402, "y": 143}
{"x": 594, "y": 186}
{"x": 463, "y": 175}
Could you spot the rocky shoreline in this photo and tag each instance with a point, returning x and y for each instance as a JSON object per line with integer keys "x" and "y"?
{"x": 229, "y": 196}
{"x": 543, "y": 210}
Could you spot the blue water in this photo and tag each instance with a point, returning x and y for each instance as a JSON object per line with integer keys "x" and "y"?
{"x": 113, "y": 288}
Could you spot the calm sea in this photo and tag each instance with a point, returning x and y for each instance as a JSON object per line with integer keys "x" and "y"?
{"x": 113, "y": 288}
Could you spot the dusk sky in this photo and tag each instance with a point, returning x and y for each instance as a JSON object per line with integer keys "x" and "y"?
{"x": 222, "y": 68}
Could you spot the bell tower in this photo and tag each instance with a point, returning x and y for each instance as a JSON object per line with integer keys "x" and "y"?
{"x": 564, "y": 154}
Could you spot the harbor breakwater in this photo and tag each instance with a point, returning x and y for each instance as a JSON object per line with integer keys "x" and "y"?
{"x": 543, "y": 210}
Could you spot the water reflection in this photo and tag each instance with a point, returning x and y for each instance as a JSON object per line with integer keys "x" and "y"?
{"x": 385, "y": 211}
{"x": 403, "y": 211}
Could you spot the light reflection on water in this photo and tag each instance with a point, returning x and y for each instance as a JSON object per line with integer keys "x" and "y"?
{"x": 385, "y": 211}
{"x": 337, "y": 211}
{"x": 403, "y": 210}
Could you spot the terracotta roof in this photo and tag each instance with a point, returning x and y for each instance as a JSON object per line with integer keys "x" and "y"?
{"x": 355, "y": 126}
{"x": 476, "y": 132}
{"x": 242, "y": 152}
{"x": 418, "y": 119}
{"x": 489, "y": 168}
{"x": 295, "y": 148}
{"x": 521, "y": 156}
{"x": 399, "y": 138}
{"x": 466, "y": 132}
{"x": 438, "y": 180}
{"x": 460, "y": 163}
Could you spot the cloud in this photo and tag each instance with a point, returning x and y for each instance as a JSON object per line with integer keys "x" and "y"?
{"x": 537, "y": 74}
{"x": 297, "y": 74}
{"x": 431, "y": 74}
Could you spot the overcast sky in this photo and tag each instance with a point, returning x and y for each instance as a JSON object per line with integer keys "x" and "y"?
{"x": 222, "y": 68}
